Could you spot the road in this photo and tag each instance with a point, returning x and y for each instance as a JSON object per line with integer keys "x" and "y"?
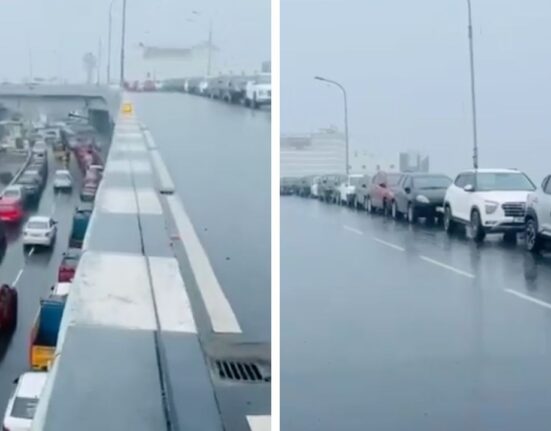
{"x": 35, "y": 274}
{"x": 219, "y": 158}
{"x": 385, "y": 326}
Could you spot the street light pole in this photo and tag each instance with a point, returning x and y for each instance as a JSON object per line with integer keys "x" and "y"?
{"x": 109, "y": 41}
{"x": 319, "y": 78}
{"x": 473, "y": 90}
{"x": 123, "y": 37}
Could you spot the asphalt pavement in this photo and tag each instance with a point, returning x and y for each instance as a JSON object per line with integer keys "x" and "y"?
{"x": 387, "y": 326}
{"x": 219, "y": 158}
{"x": 35, "y": 272}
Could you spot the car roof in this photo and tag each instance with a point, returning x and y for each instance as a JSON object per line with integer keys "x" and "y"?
{"x": 31, "y": 384}
{"x": 62, "y": 288}
{"x": 39, "y": 218}
{"x": 493, "y": 171}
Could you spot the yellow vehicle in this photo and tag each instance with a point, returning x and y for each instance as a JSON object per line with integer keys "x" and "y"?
{"x": 44, "y": 333}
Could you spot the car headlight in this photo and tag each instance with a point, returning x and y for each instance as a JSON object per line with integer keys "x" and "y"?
{"x": 422, "y": 199}
{"x": 490, "y": 206}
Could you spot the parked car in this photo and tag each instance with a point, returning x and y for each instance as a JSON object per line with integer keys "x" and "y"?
{"x": 88, "y": 192}
{"x": 63, "y": 180}
{"x": 315, "y": 187}
{"x": 68, "y": 266}
{"x": 22, "y": 404}
{"x": 538, "y": 217}
{"x": 328, "y": 187}
{"x": 81, "y": 219}
{"x": 380, "y": 194}
{"x": 362, "y": 189}
{"x": 286, "y": 186}
{"x": 346, "y": 191}
{"x": 40, "y": 230}
{"x": 420, "y": 195}
{"x": 488, "y": 201}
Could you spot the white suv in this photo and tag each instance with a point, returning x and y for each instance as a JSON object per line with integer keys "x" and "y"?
{"x": 538, "y": 217}
{"x": 489, "y": 201}
{"x": 346, "y": 192}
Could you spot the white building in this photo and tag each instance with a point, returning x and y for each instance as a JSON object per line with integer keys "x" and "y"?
{"x": 159, "y": 63}
{"x": 317, "y": 153}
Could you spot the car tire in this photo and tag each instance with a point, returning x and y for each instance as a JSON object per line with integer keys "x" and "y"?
{"x": 369, "y": 206}
{"x": 477, "y": 230}
{"x": 532, "y": 240}
{"x": 411, "y": 214}
{"x": 394, "y": 211}
{"x": 386, "y": 208}
{"x": 448, "y": 222}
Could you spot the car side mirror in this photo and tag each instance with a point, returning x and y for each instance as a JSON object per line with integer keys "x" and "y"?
{"x": 469, "y": 188}
{"x": 407, "y": 190}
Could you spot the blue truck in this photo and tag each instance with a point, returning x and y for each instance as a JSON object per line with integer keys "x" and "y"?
{"x": 81, "y": 218}
{"x": 44, "y": 332}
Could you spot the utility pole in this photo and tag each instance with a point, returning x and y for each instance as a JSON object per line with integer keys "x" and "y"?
{"x": 209, "y": 61}
{"x": 109, "y": 41}
{"x": 99, "y": 63}
{"x": 473, "y": 90}
{"x": 123, "y": 38}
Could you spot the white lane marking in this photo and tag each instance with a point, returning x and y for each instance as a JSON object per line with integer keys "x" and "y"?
{"x": 351, "y": 229}
{"x": 528, "y": 298}
{"x": 448, "y": 267}
{"x": 19, "y": 274}
{"x": 31, "y": 251}
{"x": 173, "y": 305}
{"x": 165, "y": 180}
{"x": 259, "y": 423}
{"x": 389, "y": 244}
{"x": 219, "y": 309}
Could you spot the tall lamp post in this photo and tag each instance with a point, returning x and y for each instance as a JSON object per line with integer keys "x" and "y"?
{"x": 123, "y": 37}
{"x": 319, "y": 78}
{"x": 473, "y": 90}
{"x": 109, "y": 41}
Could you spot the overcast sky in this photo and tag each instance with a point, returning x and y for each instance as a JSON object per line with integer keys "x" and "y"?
{"x": 406, "y": 67}
{"x": 57, "y": 33}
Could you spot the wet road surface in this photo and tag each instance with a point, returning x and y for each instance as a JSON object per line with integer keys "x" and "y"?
{"x": 385, "y": 326}
{"x": 219, "y": 158}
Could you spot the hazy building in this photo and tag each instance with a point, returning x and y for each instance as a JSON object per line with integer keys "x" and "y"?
{"x": 364, "y": 162}
{"x": 159, "y": 63}
{"x": 313, "y": 154}
{"x": 413, "y": 161}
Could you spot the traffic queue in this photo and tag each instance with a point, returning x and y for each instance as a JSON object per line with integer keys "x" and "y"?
{"x": 16, "y": 201}
{"x": 484, "y": 201}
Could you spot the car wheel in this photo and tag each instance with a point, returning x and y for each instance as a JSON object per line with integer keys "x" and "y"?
{"x": 411, "y": 214}
{"x": 394, "y": 211}
{"x": 477, "y": 229}
{"x": 449, "y": 224}
{"x": 386, "y": 209}
{"x": 532, "y": 239}
{"x": 369, "y": 206}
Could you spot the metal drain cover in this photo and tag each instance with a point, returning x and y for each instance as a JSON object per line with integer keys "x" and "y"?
{"x": 240, "y": 371}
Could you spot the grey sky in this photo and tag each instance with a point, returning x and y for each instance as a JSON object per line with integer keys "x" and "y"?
{"x": 59, "y": 32}
{"x": 405, "y": 65}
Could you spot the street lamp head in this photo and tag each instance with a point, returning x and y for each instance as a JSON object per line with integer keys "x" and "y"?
{"x": 319, "y": 78}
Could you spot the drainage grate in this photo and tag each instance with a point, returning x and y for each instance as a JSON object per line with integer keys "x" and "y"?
{"x": 238, "y": 371}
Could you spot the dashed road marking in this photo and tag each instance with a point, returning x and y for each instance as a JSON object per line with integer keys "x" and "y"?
{"x": 31, "y": 251}
{"x": 528, "y": 298}
{"x": 389, "y": 244}
{"x": 448, "y": 267}
{"x": 17, "y": 277}
{"x": 351, "y": 229}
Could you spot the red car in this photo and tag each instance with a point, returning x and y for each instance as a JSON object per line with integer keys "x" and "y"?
{"x": 68, "y": 265}
{"x": 8, "y": 308}
{"x": 11, "y": 210}
{"x": 380, "y": 193}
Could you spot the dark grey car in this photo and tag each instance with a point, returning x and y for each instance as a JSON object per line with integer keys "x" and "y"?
{"x": 328, "y": 186}
{"x": 420, "y": 195}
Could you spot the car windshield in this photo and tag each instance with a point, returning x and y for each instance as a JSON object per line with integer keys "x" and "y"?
{"x": 503, "y": 181}
{"x": 35, "y": 224}
{"x": 392, "y": 179}
{"x": 24, "y": 408}
{"x": 27, "y": 179}
{"x": 431, "y": 182}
